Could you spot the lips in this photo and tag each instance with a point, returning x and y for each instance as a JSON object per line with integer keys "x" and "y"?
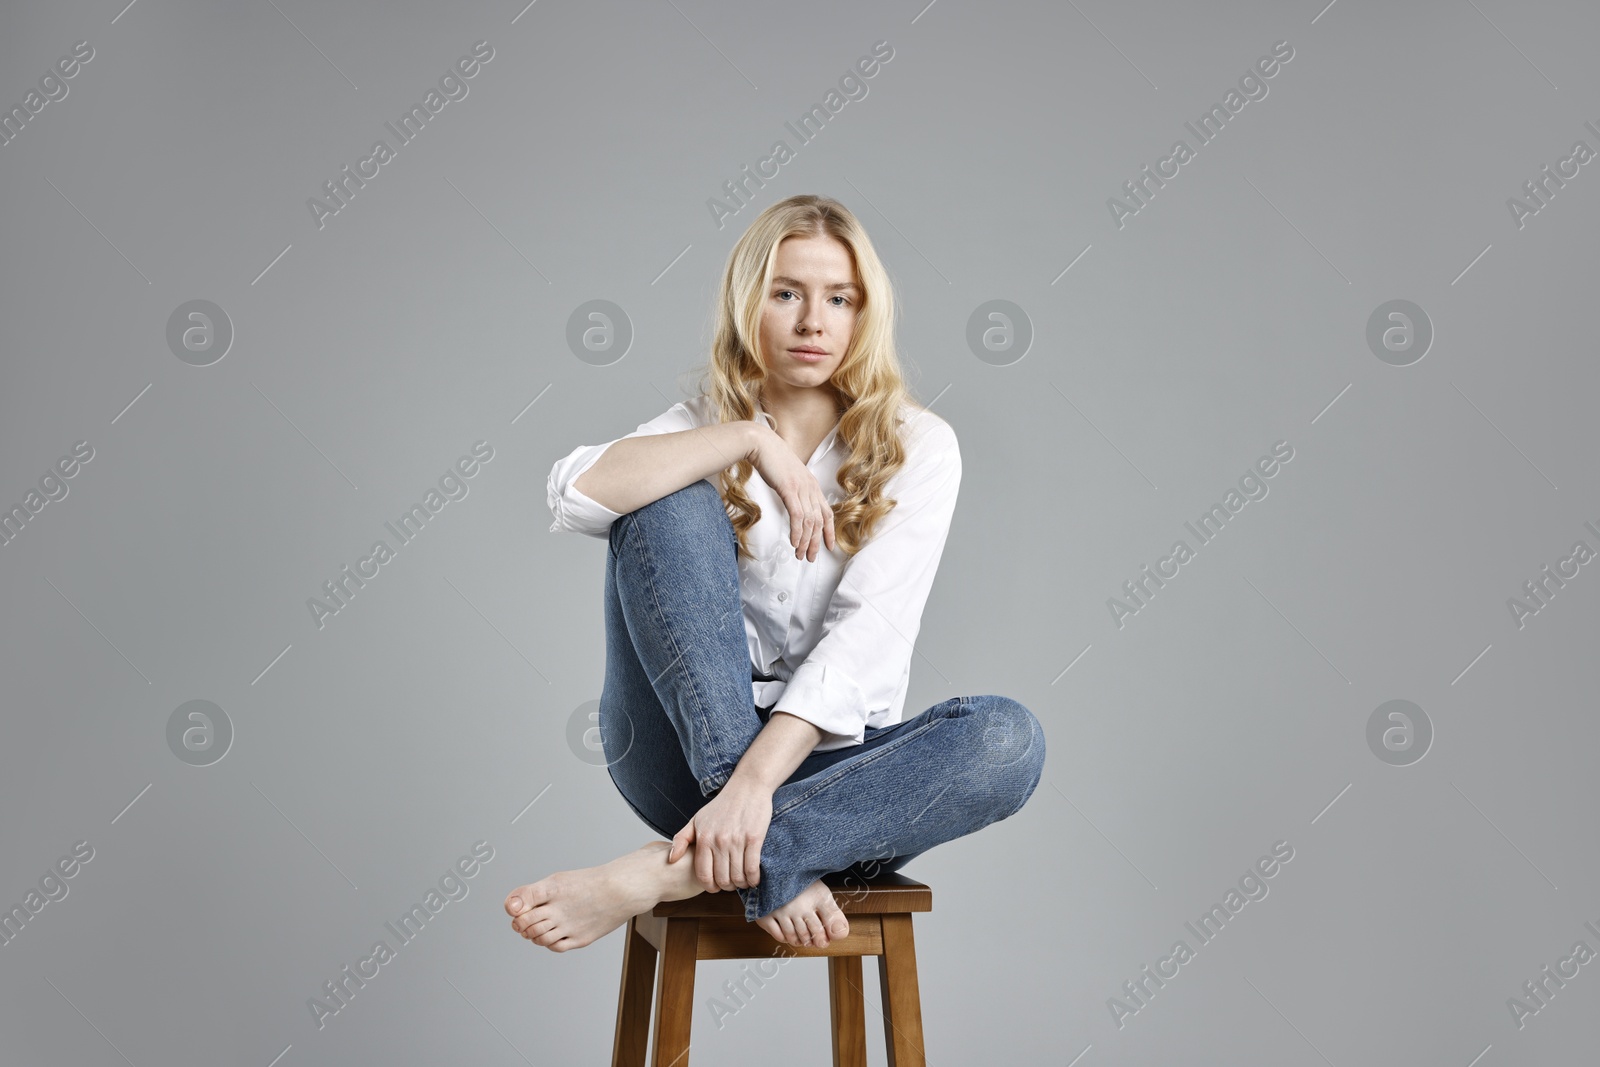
{"x": 808, "y": 355}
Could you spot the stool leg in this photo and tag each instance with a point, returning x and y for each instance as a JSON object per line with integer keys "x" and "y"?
{"x": 848, "y": 1008}
{"x": 633, "y": 1000}
{"x": 675, "y": 993}
{"x": 902, "y": 1002}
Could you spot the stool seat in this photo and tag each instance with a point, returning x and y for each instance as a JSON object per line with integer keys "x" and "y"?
{"x": 712, "y": 926}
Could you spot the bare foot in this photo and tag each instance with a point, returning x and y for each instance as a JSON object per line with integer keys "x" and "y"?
{"x": 570, "y": 909}
{"x": 813, "y": 918}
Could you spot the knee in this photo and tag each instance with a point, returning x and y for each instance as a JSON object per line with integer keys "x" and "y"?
{"x": 1013, "y": 744}
{"x": 700, "y": 493}
{"x": 693, "y": 506}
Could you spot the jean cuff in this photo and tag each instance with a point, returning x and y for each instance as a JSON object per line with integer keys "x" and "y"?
{"x": 752, "y": 902}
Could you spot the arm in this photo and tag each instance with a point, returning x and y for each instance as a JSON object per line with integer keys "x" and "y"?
{"x": 660, "y": 457}
{"x": 780, "y": 747}
{"x": 873, "y": 618}
{"x": 728, "y": 831}
{"x": 636, "y": 471}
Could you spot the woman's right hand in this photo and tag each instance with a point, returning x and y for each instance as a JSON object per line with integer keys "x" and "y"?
{"x": 810, "y": 514}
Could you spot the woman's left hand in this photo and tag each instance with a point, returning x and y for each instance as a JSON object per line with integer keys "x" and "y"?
{"x": 727, "y": 834}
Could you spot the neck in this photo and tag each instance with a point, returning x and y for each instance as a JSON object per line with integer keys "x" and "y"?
{"x": 817, "y": 406}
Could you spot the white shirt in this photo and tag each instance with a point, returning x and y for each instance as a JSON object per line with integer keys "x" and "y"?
{"x": 837, "y": 634}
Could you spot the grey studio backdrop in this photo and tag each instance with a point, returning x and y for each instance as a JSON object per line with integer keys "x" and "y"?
{"x": 1341, "y": 346}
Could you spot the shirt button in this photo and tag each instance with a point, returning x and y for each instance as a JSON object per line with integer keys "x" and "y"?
{"x": 783, "y": 595}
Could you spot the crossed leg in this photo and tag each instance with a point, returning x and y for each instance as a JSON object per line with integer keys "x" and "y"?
{"x": 676, "y": 715}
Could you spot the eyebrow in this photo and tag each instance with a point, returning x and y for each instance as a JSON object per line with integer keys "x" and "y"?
{"x": 783, "y": 279}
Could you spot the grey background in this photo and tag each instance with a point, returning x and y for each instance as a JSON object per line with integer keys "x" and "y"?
{"x": 1227, "y": 315}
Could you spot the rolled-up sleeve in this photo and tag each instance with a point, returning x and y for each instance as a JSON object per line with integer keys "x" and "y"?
{"x": 575, "y": 511}
{"x": 871, "y": 623}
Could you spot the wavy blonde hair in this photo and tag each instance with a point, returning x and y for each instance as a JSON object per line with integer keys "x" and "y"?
{"x": 869, "y": 378}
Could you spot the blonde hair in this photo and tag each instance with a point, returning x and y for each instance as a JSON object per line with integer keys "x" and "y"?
{"x": 869, "y": 378}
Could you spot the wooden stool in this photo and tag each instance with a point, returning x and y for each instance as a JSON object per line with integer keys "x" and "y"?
{"x": 712, "y": 926}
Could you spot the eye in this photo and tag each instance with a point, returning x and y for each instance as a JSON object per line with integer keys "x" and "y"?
{"x": 837, "y": 296}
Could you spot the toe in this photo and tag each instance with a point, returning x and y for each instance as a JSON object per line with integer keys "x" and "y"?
{"x": 524, "y": 897}
{"x": 531, "y": 918}
{"x": 834, "y": 920}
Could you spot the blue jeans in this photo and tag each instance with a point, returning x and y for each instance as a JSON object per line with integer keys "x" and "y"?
{"x": 676, "y": 715}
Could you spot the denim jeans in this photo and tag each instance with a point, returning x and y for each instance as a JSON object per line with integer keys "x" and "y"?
{"x": 676, "y": 715}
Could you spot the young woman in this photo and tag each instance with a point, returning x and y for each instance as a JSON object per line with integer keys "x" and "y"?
{"x": 759, "y": 631}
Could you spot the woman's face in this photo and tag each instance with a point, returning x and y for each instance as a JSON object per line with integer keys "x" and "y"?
{"x": 812, "y": 304}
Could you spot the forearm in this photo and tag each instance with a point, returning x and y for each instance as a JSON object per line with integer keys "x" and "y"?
{"x": 636, "y": 471}
{"x": 780, "y": 747}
